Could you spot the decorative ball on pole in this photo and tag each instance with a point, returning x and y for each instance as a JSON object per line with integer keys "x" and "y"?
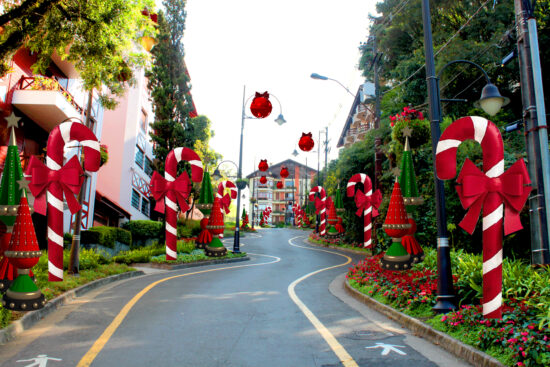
{"x": 261, "y": 106}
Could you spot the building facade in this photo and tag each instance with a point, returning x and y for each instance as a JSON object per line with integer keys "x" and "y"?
{"x": 360, "y": 119}
{"x": 295, "y": 189}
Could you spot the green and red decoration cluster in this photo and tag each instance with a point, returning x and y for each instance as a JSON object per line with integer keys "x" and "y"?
{"x": 216, "y": 226}
{"x": 204, "y": 204}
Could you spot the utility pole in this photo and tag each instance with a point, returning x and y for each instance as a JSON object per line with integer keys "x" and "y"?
{"x": 326, "y": 150}
{"x": 318, "y": 217}
{"x": 536, "y": 131}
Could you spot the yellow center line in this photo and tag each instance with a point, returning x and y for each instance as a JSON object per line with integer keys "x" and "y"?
{"x": 346, "y": 359}
{"x": 99, "y": 344}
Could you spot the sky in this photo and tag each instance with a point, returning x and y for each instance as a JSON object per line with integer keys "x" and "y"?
{"x": 274, "y": 46}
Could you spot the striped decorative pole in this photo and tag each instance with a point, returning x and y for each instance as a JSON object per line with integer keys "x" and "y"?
{"x": 225, "y": 200}
{"x": 61, "y": 180}
{"x": 491, "y": 189}
{"x": 321, "y": 206}
{"x": 170, "y": 172}
{"x": 366, "y": 203}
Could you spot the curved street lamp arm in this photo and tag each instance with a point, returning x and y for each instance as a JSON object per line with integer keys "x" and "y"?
{"x": 466, "y": 62}
{"x": 225, "y": 161}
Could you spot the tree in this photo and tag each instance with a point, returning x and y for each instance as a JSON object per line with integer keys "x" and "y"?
{"x": 97, "y": 36}
{"x": 169, "y": 86}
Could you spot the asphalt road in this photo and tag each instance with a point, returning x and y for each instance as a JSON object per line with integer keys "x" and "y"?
{"x": 284, "y": 307}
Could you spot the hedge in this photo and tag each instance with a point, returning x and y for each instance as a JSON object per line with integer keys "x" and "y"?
{"x": 189, "y": 228}
{"x": 106, "y": 236}
{"x": 143, "y": 229}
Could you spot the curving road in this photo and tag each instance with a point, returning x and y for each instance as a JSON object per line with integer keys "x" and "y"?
{"x": 284, "y": 307}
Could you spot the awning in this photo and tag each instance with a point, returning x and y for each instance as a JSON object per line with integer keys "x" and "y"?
{"x": 101, "y": 198}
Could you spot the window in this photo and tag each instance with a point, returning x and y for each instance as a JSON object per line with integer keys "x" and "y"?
{"x": 135, "y": 199}
{"x": 289, "y": 183}
{"x": 148, "y": 167}
{"x": 145, "y": 206}
{"x": 143, "y": 121}
{"x": 139, "y": 157}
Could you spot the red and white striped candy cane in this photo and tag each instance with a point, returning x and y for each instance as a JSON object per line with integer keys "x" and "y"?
{"x": 170, "y": 172}
{"x": 487, "y": 134}
{"x": 60, "y": 136}
{"x": 323, "y": 209}
{"x": 221, "y": 189}
{"x": 367, "y": 212}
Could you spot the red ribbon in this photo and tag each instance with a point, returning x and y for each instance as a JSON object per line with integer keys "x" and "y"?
{"x": 68, "y": 178}
{"x": 512, "y": 186}
{"x": 224, "y": 203}
{"x": 363, "y": 201}
{"x": 160, "y": 187}
{"x": 319, "y": 205}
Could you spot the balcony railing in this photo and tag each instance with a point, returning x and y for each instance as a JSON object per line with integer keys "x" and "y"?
{"x": 46, "y": 83}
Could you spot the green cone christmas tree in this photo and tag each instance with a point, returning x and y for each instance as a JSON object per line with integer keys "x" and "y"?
{"x": 205, "y": 202}
{"x": 10, "y": 195}
{"x": 244, "y": 219}
{"x": 407, "y": 181}
{"x": 396, "y": 226}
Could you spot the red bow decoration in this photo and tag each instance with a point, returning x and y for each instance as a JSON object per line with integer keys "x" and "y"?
{"x": 319, "y": 205}
{"x": 363, "y": 201}
{"x": 160, "y": 187}
{"x": 512, "y": 186}
{"x": 68, "y": 177}
{"x": 224, "y": 203}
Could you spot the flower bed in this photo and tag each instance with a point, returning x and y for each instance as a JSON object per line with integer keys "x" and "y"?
{"x": 520, "y": 338}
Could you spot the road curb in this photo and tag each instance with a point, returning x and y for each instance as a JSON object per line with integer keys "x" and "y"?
{"x": 193, "y": 264}
{"x": 452, "y": 345}
{"x": 357, "y": 252}
{"x": 30, "y": 319}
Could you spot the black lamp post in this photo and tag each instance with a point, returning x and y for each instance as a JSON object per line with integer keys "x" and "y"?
{"x": 490, "y": 101}
{"x": 241, "y": 184}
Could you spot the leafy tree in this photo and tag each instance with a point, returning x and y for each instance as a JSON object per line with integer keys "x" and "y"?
{"x": 169, "y": 85}
{"x": 97, "y": 36}
{"x": 203, "y": 133}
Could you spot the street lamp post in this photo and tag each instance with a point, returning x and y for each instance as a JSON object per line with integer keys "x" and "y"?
{"x": 279, "y": 120}
{"x": 491, "y": 101}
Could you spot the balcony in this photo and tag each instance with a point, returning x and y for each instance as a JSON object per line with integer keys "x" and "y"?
{"x": 44, "y": 101}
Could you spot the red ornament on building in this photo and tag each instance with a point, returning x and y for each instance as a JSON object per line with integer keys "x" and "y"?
{"x": 260, "y": 106}
{"x": 280, "y": 184}
{"x": 263, "y": 166}
{"x": 263, "y": 180}
{"x": 284, "y": 172}
{"x": 306, "y": 142}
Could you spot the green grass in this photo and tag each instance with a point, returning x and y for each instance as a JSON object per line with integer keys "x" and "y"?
{"x": 194, "y": 256}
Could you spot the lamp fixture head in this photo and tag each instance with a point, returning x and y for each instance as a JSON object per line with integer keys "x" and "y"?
{"x": 317, "y": 76}
{"x": 280, "y": 119}
{"x": 491, "y": 100}
{"x": 216, "y": 175}
{"x": 295, "y": 153}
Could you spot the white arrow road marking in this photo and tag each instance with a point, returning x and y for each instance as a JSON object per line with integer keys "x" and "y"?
{"x": 41, "y": 360}
{"x": 389, "y": 348}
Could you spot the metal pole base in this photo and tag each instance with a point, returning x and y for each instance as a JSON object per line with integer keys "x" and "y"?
{"x": 444, "y": 305}
{"x": 236, "y": 242}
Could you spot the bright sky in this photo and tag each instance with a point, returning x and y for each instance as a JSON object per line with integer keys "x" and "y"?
{"x": 274, "y": 46}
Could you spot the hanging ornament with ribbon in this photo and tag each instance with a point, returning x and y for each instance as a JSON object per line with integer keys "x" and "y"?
{"x": 260, "y": 106}
{"x": 263, "y": 180}
{"x": 279, "y": 184}
{"x": 284, "y": 172}
{"x": 263, "y": 166}
{"x": 306, "y": 142}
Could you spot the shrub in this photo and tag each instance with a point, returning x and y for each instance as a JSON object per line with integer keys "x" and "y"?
{"x": 188, "y": 228}
{"x": 104, "y": 236}
{"x": 143, "y": 229}
{"x": 185, "y": 246}
{"x": 67, "y": 238}
{"x": 123, "y": 236}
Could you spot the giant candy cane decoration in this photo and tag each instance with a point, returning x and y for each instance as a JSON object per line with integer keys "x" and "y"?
{"x": 491, "y": 189}
{"x": 61, "y": 180}
{"x": 366, "y": 203}
{"x": 174, "y": 190}
{"x": 225, "y": 200}
{"x": 321, "y": 206}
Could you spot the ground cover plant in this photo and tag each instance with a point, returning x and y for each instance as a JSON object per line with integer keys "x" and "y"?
{"x": 315, "y": 238}
{"x": 520, "y": 338}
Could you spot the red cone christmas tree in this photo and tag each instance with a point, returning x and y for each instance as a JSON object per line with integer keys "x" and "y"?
{"x": 205, "y": 202}
{"x": 396, "y": 226}
{"x": 216, "y": 226}
{"x": 23, "y": 253}
{"x": 332, "y": 220}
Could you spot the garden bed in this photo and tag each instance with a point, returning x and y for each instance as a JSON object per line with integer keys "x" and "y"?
{"x": 520, "y": 338}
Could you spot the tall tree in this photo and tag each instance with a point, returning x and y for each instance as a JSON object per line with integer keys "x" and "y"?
{"x": 169, "y": 85}
{"x": 97, "y": 36}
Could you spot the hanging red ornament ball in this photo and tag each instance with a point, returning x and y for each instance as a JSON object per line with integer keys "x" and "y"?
{"x": 261, "y": 107}
{"x": 280, "y": 185}
{"x": 263, "y": 166}
{"x": 263, "y": 180}
{"x": 284, "y": 172}
{"x": 306, "y": 142}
